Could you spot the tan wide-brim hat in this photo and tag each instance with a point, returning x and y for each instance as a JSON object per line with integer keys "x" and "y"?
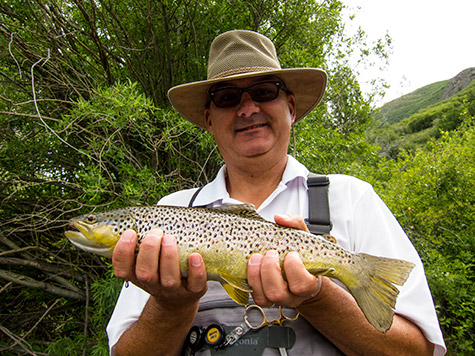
{"x": 241, "y": 54}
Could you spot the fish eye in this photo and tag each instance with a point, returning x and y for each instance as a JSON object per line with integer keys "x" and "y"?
{"x": 91, "y": 219}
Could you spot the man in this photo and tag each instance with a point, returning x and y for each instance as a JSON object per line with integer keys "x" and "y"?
{"x": 249, "y": 104}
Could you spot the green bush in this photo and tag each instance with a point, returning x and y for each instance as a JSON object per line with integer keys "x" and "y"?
{"x": 114, "y": 150}
{"x": 325, "y": 149}
{"x": 431, "y": 191}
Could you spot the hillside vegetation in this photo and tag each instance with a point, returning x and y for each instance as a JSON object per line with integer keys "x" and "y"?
{"x": 403, "y": 107}
{"x": 421, "y": 125}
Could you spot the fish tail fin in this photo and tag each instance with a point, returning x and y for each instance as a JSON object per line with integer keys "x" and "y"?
{"x": 375, "y": 292}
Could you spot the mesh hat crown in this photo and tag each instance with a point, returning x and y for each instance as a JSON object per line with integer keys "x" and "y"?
{"x": 240, "y": 54}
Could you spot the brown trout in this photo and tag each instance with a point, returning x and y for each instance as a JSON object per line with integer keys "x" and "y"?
{"x": 226, "y": 237}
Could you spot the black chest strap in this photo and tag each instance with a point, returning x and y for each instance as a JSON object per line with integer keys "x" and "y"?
{"x": 195, "y": 194}
{"x": 318, "y": 221}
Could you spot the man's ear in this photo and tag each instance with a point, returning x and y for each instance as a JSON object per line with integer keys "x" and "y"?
{"x": 208, "y": 122}
{"x": 292, "y": 107}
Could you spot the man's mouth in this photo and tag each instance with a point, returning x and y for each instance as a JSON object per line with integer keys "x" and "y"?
{"x": 250, "y": 127}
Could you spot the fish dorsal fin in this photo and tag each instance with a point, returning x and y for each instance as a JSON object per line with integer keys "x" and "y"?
{"x": 329, "y": 238}
{"x": 237, "y": 289}
{"x": 247, "y": 211}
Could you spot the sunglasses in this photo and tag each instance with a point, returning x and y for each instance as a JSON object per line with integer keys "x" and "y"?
{"x": 260, "y": 92}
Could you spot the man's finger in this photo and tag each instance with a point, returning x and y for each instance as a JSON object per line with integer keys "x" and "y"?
{"x": 301, "y": 283}
{"x": 146, "y": 268}
{"x": 123, "y": 257}
{"x": 170, "y": 276}
{"x": 197, "y": 276}
{"x": 292, "y": 221}
{"x": 273, "y": 283}
{"x": 254, "y": 280}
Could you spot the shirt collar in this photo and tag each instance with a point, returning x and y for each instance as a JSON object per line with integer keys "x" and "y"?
{"x": 294, "y": 170}
{"x": 215, "y": 193}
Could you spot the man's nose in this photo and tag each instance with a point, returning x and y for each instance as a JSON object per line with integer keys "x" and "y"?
{"x": 247, "y": 106}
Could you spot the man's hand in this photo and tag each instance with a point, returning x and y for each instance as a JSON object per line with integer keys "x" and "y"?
{"x": 156, "y": 269}
{"x": 265, "y": 275}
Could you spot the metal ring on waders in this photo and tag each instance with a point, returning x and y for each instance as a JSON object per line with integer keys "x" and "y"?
{"x": 265, "y": 322}
{"x": 283, "y": 318}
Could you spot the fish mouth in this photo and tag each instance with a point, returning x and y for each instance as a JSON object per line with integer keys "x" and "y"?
{"x": 84, "y": 229}
{"x": 83, "y": 238}
{"x": 251, "y": 127}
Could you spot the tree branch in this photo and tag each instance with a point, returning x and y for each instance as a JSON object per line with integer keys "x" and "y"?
{"x": 32, "y": 283}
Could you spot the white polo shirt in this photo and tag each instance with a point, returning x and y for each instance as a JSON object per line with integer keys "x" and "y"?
{"x": 361, "y": 223}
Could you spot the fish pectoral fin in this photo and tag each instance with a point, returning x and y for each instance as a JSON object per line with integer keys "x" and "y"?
{"x": 238, "y": 295}
{"x": 320, "y": 271}
{"x": 237, "y": 283}
{"x": 237, "y": 289}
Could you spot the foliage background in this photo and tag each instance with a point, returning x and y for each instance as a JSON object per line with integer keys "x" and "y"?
{"x": 85, "y": 125}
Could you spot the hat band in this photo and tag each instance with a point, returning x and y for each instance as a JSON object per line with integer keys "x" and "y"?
{"x": 241, "y": 70}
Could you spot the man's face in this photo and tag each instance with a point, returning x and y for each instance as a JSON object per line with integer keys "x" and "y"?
{"x": 250, "y": 128}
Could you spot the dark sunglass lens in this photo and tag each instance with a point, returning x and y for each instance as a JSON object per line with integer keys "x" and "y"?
{"x": 264, "y": 91}
{"x": 227, "y": 97}
{"x": 261, "y": 92}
